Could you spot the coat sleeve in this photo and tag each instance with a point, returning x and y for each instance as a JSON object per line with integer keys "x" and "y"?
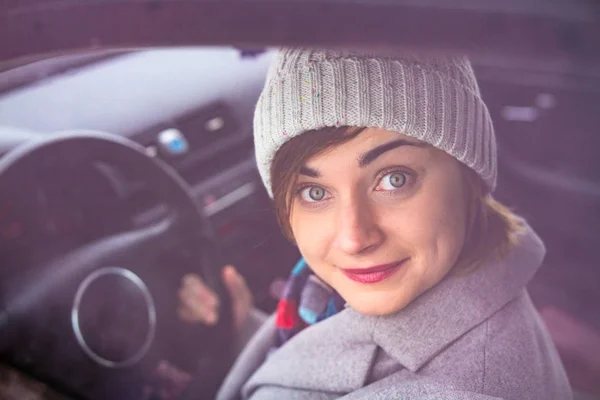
{"x": 255, "y": 320}
{"x": 458, "y": 395}
{"x": 428, "y": 395}
{"x": 249, "y": 360}
{"x": 419, "y": 389}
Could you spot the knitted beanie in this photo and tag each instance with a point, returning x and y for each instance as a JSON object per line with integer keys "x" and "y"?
{"x": 435, "y": 99}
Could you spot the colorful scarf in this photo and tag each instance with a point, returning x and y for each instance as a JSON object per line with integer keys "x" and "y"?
{"x": 305, "y": 301}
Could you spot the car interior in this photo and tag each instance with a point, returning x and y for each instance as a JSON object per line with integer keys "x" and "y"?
{"x": 126, "y": 162}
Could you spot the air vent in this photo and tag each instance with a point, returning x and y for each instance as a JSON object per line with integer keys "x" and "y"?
{"x": 192, "y": 142}
{"x": 208, "y": 125}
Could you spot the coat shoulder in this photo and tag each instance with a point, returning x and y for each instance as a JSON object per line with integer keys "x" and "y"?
{"x": 520, "y": 356}
{"x": 510, "y": 355}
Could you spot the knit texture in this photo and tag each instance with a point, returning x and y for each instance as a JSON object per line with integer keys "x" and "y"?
{"x": 433, "y": 99}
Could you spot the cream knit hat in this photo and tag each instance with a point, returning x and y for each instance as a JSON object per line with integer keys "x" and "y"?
{"x": 433, "y": 99}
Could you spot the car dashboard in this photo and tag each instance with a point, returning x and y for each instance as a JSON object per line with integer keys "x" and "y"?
{"x": 191, "y": 108}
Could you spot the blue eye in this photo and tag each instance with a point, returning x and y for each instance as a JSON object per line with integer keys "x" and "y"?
{"x": 392, "y": 181}
{"x": 312, "y": 194}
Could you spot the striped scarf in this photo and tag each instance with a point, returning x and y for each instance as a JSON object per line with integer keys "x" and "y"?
{"x": 305, "y": 301}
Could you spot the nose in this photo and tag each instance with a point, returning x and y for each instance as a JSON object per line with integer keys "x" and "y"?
{"x": 357, "y": 231}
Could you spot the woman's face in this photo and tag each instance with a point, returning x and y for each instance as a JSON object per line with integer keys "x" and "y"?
{"x": 380, "y": 218}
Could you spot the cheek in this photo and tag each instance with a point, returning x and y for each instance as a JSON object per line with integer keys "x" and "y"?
{"x": 432, "y": 227}
{"x": 311, "y": 236}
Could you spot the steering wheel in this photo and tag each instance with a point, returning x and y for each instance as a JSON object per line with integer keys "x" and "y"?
{"x": 113, "y": 311}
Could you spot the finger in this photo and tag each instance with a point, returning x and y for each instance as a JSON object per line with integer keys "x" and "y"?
{"x": 194, "y": 283}
{"x": 241, "y": 297}
{"x": 199, "y": 310}
{"x": 187, "y": 315}
{"x": 190, "y": 316}
{"x": 245, "y": 292}
{"x": 234, "y": 279}
{"x": 236, "y": 285}
{"x": 202, "y": 309}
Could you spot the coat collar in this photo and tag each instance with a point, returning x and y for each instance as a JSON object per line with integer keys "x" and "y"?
{"x": 456, "y": 305}
{"x": 344, "y": 346}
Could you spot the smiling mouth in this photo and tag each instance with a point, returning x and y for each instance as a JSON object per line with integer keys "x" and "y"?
{"x": 373, "y": 274}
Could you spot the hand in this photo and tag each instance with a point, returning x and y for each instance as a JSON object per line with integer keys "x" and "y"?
{"x": 199, "y": 304}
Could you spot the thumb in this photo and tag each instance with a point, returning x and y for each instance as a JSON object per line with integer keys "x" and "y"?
{"x": 234, "y": 282}
{"x": 241, "y": 297}
{"x": 230, "y": 278}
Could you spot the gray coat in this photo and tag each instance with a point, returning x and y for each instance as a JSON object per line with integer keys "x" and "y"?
{"x": 472, "y": 337}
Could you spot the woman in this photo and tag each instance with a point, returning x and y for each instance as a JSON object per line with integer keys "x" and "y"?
{"x": 412, "y": 282}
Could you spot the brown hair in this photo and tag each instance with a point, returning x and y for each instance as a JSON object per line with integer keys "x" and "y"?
{"x": 492, "y": 229}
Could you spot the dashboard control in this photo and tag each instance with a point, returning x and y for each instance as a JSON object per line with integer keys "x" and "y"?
{"x": 173, "y": 142}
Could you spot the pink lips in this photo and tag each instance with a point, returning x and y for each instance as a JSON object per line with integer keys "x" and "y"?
{"x": 373, "y": 274}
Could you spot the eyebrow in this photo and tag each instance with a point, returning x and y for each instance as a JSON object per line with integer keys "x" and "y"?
{"x": 370, "y": 156}
{"x": 313, "y": 173}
